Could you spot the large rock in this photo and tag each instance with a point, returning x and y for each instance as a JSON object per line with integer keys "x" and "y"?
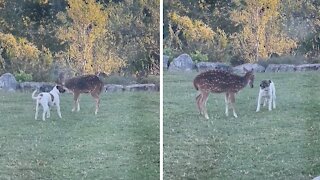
{"x": 182, "y": 63}
{"x": 8, "y": 82}
{"x": 31, "y": 86}
{"x": 308, "y": 67}
{"x": 165, "y": 62}
{"x": 46, "y": 87}
{"x": 205, "y": 66}
{"x": 248, "y": 66}
{"x": 280, "y": 68}
{"x": 114, "y": 88}
{"x": 316, "y": 178}
{"x": 141, "y": 87}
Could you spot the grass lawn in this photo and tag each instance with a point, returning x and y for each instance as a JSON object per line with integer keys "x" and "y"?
{"x": 121, "y": 142}
{"x": 282, "y": 144}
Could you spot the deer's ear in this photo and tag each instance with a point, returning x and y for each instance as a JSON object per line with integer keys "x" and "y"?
{"x": 59, "y": 82}
{"x": 245, "y": 69}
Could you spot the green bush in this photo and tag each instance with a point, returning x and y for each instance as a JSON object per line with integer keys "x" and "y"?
{"x": 197, "y": 56}
{"x": 22, "y": 76}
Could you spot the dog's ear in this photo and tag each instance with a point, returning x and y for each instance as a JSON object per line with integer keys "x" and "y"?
{"x": 61, "y": 79}
{"x": 269, "y": 81}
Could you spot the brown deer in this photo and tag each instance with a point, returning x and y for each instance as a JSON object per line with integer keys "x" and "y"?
{"x": 85, "y": 84}
{"x": 217, "y": 81}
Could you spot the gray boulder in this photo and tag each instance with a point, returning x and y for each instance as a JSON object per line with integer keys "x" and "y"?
{"x": 281, "y": 68}
{"x": 205, "y": 66}
{"x": 141, "y": 87}
{"x": 114, "y": 88}
{"x": 182, "y": 63}
{"x": 316, "y": 178}
{"x": 308, "y": 67}
{"x": 165, "y": 62}
{"x": 46, "y": 87}
{"x": 248, "y": 66}
{"x": 8, "y": 82}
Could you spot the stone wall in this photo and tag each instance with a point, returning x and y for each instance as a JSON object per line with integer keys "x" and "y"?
{"x": 9, "y": 83}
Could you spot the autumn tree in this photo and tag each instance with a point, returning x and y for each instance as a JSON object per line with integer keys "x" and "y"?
{"x": 134, "y": 33}
{"x": 261, "y": 31}
{"x": 84, "y": 25}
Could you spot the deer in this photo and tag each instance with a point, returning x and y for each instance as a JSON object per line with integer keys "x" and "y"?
{"x": 85, "y": 84}
{"x": 218, "y": 81}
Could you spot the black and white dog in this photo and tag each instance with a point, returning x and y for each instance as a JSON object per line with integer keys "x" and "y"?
{"x": 267, "y": 94}
{"x": 47, "y": 99}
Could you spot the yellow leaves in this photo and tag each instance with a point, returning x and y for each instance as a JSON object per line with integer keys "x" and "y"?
{"x": 19, "y": 48}
{"x": 193, "y": 30}
{"x": 261, "y": 34}
{"x": 87, "y": 25}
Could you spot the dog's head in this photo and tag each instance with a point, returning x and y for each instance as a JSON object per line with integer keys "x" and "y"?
{"x": 60, "y": 88}
{"x": 265, "y": 84}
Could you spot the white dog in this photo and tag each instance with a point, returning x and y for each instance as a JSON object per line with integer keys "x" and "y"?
{"x": 267, "y": 93}
{"x": 47, "y": 99}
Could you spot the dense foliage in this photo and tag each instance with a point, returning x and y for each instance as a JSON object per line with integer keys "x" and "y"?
{"x": 41, "y": 37}
{"x": 235, "y": 31}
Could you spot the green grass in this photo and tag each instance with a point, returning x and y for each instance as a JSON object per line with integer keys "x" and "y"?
{"x": 121, "y": 142}
{"x": 282, "y": 144}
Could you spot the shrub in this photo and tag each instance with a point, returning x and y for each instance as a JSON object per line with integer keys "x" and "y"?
{"x": 197, "y": 56}
{"x": 22, "y": 76}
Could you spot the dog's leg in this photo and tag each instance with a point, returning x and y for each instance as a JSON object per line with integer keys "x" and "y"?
{"x": 265, "y": 100}
{"x": 58, "y": 110}
{"x": 259, "y": 102}
{"x": 48, "y": 112}
{"x": 45, "y": 109}
{"x": 274, "y": 98}
{"x": 270, "y": 101}
{"x": 37, "y": 110}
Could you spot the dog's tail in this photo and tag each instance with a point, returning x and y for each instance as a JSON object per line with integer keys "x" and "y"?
{"x": 33, "y": 95}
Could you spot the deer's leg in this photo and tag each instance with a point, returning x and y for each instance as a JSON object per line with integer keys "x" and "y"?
{"x": 205, "y": 96}
{"x": 226, "y": 100}
{"x": 232, "y": 101}
{"x": 198, "y": 101}
{"x": 76, "y": 105}
{"x": 97, "y": 99}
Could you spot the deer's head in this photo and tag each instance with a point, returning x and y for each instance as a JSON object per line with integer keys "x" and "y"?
{"x": 249, "y": 76}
